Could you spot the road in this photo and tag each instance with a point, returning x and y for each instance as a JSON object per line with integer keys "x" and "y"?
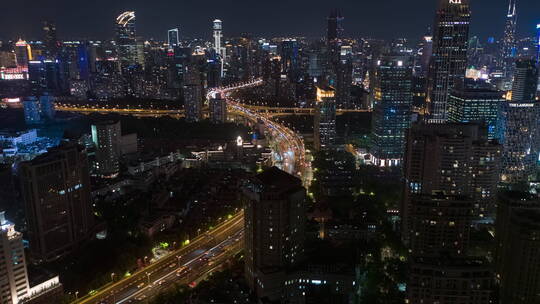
{"x": 190, "y": 263}
{"x": 290, "y": 153}
{"x": 208, "y": 252}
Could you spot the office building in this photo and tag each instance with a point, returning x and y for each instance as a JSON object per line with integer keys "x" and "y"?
{"x": 14, "y": 284}
{"x": 334, "y": 36}
{"x": 290, "y": 58}
{"x": 56, "y": 193}
{"x": 173, "y": 38}
{"x": 449, "y": 58}
{"x": 218, "y": 109}
{"x": 44, "y": 76}
{"x": 32, "y": 111}
{"x": 478, "y": 104}
{"x": 449, "y": 280}
{"x": 517, "y": 257}
{"x": 456, "y": 159}
{"x": 440, "y": 224}
{"x": 508, "y": 50}
{"x": 193, "y": 94}
{"x": 218, "y": 46}
{"x": 107, "y": 138}
{"x": 23, "y": 53}
{"x": 519, "y": 132}
{"x": 392, "y": 100}
{"x": 52, "y": 45}
{"x": 274, "y": 216}
{"x": 325, "y": 118}
{"x": 126, "y": 40}
{"x": 344, "y": 71}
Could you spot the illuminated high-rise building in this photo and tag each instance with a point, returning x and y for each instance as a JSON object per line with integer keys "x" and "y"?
{"x": 173, "y": 38}
{"x": 470, "y": 103}
{"x": 23, "y": 53}
{"x": 508, "y": 51}
{"x": 14, "y": 284}
{"x": 456, "y": 159}
{"x": 52, "y": 45}
{"x": 334, "y": 27}
{"x": 193, "y": 97}
{"x": 538, "y": 44}
{"x": 218, "y": 109}
{"x": 274, "y": 223}
{"x": 218, "y": 46}
{"x": 392, "y": 108}
{"x": 449, "y": 59}
{"x": 519, "y": 129}
{"x": 126, "y": 40}
{"x": 56, "y": 194}
{"x": 325, "y": 118}
{"x": 107, "y": 137}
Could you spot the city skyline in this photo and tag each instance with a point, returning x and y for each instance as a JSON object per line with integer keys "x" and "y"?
{"x": 194, "y": 19}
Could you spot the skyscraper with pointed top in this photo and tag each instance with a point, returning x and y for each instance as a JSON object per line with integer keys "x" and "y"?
{"x": 449, "y": 59}
{"x": 509, "y": 43}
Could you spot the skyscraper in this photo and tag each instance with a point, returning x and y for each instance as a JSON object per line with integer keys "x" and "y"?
{"x": 44, "y": 76}
{"x": 56, "y": 193}
{"x": 392, "y": 96}
{"x": 14, "y": 284}
{"x": 508, "y": 50}
{"x": 126, "y": 40}
{"x": 274, "y": 223}
{"x": 480, "y": 104}
{"x": 218, "y": 109}
{"x": 325, "y": 118}
{"x": 334, "y": 26}
{"x": 173, "y": 38}
{"x": 290, "y": 58}
{"x": 456, "y": 159}
{"x": 519, "y": 129}
{"x": 50, "y": 40}
{"x": 449, "y": 59}
{"x": 32, "y": 111}
{"x": 193, "y": 98}
{"x": 218, "y": 47}
{"x": 107, "y": 136}
{"x": 517, "y": 238}
{"x": 23, "y": 53}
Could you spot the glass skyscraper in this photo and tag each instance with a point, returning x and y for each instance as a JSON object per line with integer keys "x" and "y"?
{"x": 449, "y": 61}
{"x": 392, "y": 109}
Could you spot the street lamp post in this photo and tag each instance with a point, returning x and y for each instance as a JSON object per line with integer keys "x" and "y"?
{"x": 148, "y": 275}
{"x": 112, "y": 277}
{"x": 76, "y": 295}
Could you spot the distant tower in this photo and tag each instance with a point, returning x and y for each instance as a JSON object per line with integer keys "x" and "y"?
{"x": 538, "y": 43}
{"x": 173, "y": 38}
{"x": 107, "y": 137}
{"x": 325, "y": 118}
{"x": 23, "y": 53}
{"x": 509, "y": 42}
{"x": 218, "y": 34}
{"x": 449, "y": 59}
{"x": 50, "y": 40}
{"x": 335, "y": 26}
{"x": 126, "y": 41}
{"x": 218, "y": 109}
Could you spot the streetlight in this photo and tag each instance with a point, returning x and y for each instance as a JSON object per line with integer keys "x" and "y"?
{"x": 112, "y": 276}
{"x": 148, "y": 275}
{"x": 76, "y": 295}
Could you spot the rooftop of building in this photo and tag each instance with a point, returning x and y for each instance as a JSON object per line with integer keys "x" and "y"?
{"x": 278, "y": 180}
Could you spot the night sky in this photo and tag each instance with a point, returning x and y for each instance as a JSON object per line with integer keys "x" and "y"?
{"x": 367, "y": 18}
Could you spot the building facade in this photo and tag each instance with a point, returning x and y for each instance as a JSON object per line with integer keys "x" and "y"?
{"x": 56, "y": 193}
{"x": 325, "y": 118}
{"x": 449, "y": 59}
{"x": 392, "y": 97}
{"x": 14, "y": 284}
{"x": 274, "y": 230}
{"x": 218, "y": 109}
{"x": 107, "y": 138}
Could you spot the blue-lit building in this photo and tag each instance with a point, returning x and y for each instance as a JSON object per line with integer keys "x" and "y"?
{"x": 519, "y": 128}
{"x": 392, "y": 98}
{"x": 476, "y": 101}
{"x": 32, "y": 111}
{"x": 290, "y": 59}
{"x": 173, "y": 38}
